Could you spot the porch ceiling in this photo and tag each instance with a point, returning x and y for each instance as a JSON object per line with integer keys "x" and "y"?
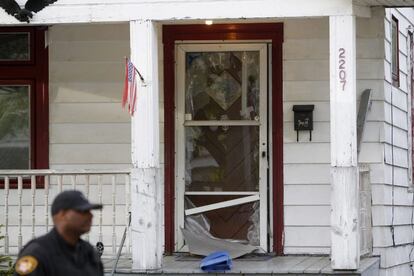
{"x": 385, "y": 3}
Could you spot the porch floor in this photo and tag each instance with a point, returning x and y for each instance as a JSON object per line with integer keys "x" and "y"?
{"x": 286, "y": 265}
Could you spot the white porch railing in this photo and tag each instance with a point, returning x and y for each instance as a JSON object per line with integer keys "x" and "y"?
{"x": 26, "y": 196}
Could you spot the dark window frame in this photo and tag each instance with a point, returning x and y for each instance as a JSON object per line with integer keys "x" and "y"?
{"x": 395, "y": 52}
{"x": 32, "y": 47}
{"x": 35, "y": 72}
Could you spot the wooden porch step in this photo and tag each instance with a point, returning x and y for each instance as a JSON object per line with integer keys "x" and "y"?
{"x": 281, "y": 266}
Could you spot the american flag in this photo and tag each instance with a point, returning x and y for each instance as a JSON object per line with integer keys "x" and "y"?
{"x": 130, "y": 87}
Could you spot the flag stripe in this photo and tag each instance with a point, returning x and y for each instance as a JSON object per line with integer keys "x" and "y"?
{"x": 125, "y": 93}
{"x": 130, "y": 87}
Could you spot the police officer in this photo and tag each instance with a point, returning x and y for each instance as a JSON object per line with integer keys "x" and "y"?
{"x": 62, "y": 252}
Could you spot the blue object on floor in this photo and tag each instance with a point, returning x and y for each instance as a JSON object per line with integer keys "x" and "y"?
{"x": 216, "y": 261}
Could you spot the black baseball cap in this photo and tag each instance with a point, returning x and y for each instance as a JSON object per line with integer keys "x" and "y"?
{"x": 73, "y": 200}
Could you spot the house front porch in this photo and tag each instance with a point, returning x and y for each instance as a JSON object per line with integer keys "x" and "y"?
{"x": 268, "y": 265}
{"x": 85, "y": 135}
{"x": 27, "y": 195}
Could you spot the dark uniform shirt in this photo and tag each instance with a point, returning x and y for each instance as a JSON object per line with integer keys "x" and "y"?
{"x": 52, "y": 255}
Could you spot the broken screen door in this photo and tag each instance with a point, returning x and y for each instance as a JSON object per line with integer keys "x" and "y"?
{"x": 222, "y": 141}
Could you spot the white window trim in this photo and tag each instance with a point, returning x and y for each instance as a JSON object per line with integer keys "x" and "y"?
{"x": 180, "y": 136}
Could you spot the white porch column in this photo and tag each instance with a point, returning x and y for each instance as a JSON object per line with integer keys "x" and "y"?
{"x": 344, "y": 170}
{"x": 145, "y": 178}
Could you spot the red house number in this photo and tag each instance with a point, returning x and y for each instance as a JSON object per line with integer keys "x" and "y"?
{"x": 342, "y": 72}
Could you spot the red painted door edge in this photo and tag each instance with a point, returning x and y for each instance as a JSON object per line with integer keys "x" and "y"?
{"x": 259, "y": 31}
{"x": 36, "y": 73}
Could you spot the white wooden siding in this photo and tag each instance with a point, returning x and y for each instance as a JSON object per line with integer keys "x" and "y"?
{"x": 87, "y": 126}
{"x": 72, "y": 133}
{"x": 87, "y": 123}
{"x": 307, "y": 164}
{"x": 402, "y": 236}
{"x": 404, "y": 269}
{"x": 74, "y": 92}
{"x": 301, "y": 195}
{"x": 382, "y": 195}
{"x": 298, "y": 174}
{"x": 392, "y": 203}
{"x": 392, "y": 257}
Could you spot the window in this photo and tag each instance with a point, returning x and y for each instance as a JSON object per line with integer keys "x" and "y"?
{"x": 15, "y": 46}
{"x": 24, "y": 101}
{"x": 395, "y": 63}
{"x": 15, "y": 125}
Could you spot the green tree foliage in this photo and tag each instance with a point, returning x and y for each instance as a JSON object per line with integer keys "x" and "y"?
{"x": 14, "y": 117}
{"x": 14, "y": 46}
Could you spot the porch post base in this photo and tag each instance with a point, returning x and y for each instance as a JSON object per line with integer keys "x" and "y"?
{"x": 145, "y": 234}
{"x": 344, "y": 218}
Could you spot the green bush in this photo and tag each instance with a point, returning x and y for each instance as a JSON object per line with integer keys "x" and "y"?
{"x": 6, "y": 262}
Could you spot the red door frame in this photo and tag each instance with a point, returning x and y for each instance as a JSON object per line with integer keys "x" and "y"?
{"x": 260, "y": 31}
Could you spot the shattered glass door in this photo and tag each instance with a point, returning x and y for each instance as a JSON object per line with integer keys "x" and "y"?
{"x": 222, "y": 142}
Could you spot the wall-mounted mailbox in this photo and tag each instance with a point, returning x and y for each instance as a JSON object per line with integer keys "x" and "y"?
{"x": 303, "y": 119}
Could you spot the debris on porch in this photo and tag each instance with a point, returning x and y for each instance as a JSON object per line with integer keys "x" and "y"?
{"x": 292, "y": 265}
{"x": 201, "y": 244}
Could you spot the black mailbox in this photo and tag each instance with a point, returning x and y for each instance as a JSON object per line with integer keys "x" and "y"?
{"x": 303, "y": 119}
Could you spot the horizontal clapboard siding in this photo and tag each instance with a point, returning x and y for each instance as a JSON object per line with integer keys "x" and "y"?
{"x": 88, "y": 129}
{"x": 88, "y": 126}
{"x": 392, "y": 211}
{"x": 307, "y": 163}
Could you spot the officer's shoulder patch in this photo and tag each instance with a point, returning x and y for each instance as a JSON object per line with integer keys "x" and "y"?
{"x": 26, "y": 265}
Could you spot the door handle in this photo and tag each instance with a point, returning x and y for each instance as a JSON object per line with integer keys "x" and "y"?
{"x": 263, "y": 154}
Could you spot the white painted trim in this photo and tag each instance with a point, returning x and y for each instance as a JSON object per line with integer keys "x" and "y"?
{"x": 146, "y": 204}
{"x": 223, "y": 123}
{"x": 344, "y": 159}
{"x": 409, "y": 111}
{"x": 219, "y": 47}
{"x": 221, "y": 193}
{"x": 180, "y": 121}
{"x": 263, "y": 165}
{"x": 270, "y": 140}
{"x": 62, "y": 172}
{"x": 250, "y": 41}
{"x": 343, "y": 91}
{"x": 220, "y": 205}
{"x": 144, "y": 55}
{"x": 180, "y": 143}
{"x": 89, "y": 11}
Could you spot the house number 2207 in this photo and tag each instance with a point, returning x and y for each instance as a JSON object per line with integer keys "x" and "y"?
{"x": 342, "y": 71}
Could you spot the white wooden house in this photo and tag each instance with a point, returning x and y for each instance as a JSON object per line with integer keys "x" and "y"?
{"x": 214, "y": 129}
